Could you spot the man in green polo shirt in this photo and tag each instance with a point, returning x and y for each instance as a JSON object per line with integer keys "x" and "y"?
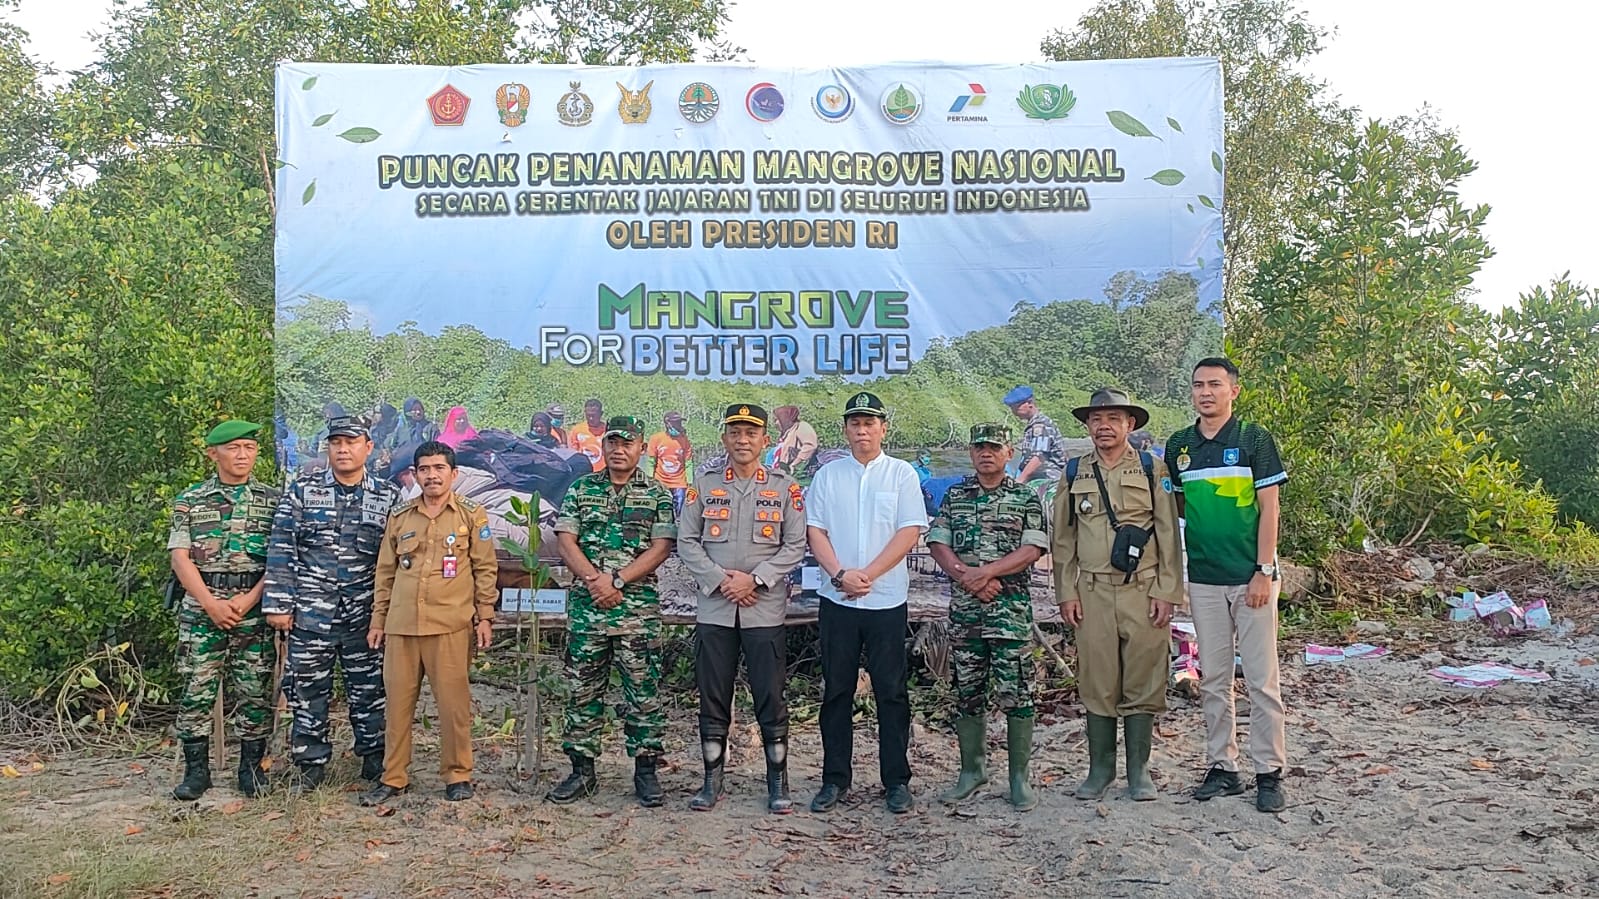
{"x": 1228, "y": 475}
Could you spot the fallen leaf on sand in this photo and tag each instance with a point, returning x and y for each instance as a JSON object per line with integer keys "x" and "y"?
{"x": 1482, "y": 764}
{"x": 302, "y": 855}
{"x": 133, "y": 829}
{"x": 58, "y": 879}
{"x": 384, "y": 811}
{"x": 271, "y": 816}
{"x": 376, "y": 857}
{"x": 266, "y": 763}
{"x": 9, "y": 771}
{"x": 232, "y": 808}
{"x": 136, "y": 768}
{"x": 1583, "y": 663}
{"x": 1102, "y": 810}
{"x": 1375, "y": 770}
{"x": 36, "y": 766}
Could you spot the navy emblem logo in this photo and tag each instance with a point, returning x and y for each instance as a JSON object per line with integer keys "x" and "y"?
{"x": 698, "y": 102}
{"x": 833, "y": 103}
{"x": 575, "y": 108}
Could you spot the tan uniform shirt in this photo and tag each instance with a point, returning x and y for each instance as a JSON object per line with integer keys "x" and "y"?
{"x": 1085, "y": 546}
{"x": 413, "y": 597}
{"x": 754, "y": 524}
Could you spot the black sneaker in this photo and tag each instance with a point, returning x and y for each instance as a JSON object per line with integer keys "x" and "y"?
{"x": 827, "y": 797}
{"x": 1219, "y": 782}
{"x": 899, "y": 799}
{"x": 1269, "y": 792}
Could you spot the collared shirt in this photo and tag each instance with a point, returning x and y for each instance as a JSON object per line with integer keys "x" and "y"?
{"x": 861, "y": 507}
{"x": 435, "y": 574}
{"x": 982, "y": 526}
{"x": 225, "y": 527}
{"x": 613, "y": 526}
{"x": 1218, "y": 478}
{"x": 754, "y": 524}
{"x": 324, "y": 551}
{"x": 1083, "y": 539}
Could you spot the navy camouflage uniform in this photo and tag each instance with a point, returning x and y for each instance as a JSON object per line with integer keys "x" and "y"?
{"x": 320, "y": 569}
{"x": 225, "y": 528}
{"x": 612, "y": 529}
{"x": 991, "y": 638}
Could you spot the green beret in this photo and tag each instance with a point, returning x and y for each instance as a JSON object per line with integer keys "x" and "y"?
{"x": 231, "y": 430}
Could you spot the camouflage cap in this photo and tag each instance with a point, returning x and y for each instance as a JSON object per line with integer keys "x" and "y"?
{"x": 348, "y": 426}
{"x": 231, "y": 430}
{"x": 990, "y": 432}
{"x": 628, "y": 427}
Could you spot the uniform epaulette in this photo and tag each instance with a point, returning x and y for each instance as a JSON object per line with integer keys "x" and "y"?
{"x": 192, "y": 488}
{"x": 467, "y": 504}
{"x": 406, "y": 506}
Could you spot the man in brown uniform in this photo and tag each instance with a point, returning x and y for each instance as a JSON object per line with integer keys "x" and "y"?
{"x": 1118, "y": 573}
{"x": 435, "y": 596}
{"x": 740, "y": 536}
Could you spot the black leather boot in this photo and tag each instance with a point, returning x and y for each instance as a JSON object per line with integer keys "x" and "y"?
{"x": 777, "y": 801}
{"x": 252, "y": 780}
{"x": 580, "y": 783}
{"x": 196, "y": 770}
{"x": 645, "y": 784}
{"x": 714, "y": 752}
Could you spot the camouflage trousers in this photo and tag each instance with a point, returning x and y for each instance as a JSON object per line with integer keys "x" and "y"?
{"x": 308, "y": 684}
{"x": 637, "y": 658}
{"x": 984, "y": 667}
{"x": 208, "y": 656}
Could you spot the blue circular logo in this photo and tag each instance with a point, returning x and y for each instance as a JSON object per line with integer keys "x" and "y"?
{"x": 833, "y": 103}
{"x": 764, "y": 102}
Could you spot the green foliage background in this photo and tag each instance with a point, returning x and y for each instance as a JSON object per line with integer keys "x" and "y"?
{"x": 136, "y": 298}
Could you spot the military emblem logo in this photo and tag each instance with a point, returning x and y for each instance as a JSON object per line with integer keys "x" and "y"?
{"x": 833, "y": 103}
{"x": 764, "y": 102}
{"x": 575, "y": 108}
{"x": 1046, "y": 101}
{"x": 448, "y": 106}
{"x": 1183, "y": 462}
{"x": 861, "y": 401}
{"x": 902, "y": 104}
{"x": 512, "y": 100}
{"x": 1229, "y": 456}
{"x": 698, "y": 102}
{"x": 635, "y": 105}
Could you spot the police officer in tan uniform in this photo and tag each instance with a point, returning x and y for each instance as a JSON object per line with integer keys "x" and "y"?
{"x": 1118, "y": 575}
{"x": 434, "y": 599}
{"x": 739, "y": 537}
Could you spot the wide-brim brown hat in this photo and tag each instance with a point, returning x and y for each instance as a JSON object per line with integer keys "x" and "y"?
{"x": 1111, "y": 398}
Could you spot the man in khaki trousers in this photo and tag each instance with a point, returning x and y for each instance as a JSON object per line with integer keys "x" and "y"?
{"x": 1119, "y": 599}
{"x": 435, "y": 598}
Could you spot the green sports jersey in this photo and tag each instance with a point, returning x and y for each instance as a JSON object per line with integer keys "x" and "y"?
{"x": 1217, "y": 478}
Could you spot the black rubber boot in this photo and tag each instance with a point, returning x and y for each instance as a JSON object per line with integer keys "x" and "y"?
{"x": 196, "y": 770}
{"x": 714, "y": 752}
{"x": 777, "y": 800}
{"x": 580, "y": 783}
{"x": 1101, "y": 757}
{"x": 252, "y": 780}
{"x": 645, "y": 784}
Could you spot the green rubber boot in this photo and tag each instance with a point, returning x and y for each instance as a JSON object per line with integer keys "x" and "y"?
{"x": 1101, "y": 758}
{"x": 1140, "y": 733}
{"x": 1019, "y": 740}
{"x": 971, "y": 731}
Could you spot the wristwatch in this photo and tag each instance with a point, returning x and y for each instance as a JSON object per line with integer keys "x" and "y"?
{"x": 617, "y": 581}
{"x": 1269, "y": 569}
{"x": 838, "y": 579}
{"x": 760, "y": 581}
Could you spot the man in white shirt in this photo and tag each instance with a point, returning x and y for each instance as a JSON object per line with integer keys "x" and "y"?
{"x": 865, "y": 515}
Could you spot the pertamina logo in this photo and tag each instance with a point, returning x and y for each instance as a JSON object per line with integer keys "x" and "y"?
{"x": 964, "y": 109}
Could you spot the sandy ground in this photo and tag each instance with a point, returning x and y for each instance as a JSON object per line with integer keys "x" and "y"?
{"x": 1400, "y": 786}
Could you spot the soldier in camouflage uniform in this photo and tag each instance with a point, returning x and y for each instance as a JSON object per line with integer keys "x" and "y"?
{"x": 988, "y": 533}
{"x": 1042, "y": 448}
{"x": 615, "y": 528}
{"x": 218, "y": 543}
{"x": 319, "y": 584}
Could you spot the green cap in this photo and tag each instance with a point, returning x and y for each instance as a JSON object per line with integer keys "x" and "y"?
{"x": 990, "y": 432}
{"x": 628, "y": 427}
{"x": 231, "y": 430}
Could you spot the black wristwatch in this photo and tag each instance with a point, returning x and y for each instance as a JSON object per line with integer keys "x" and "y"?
{"x": 617, "y": 581}
{"x": 760, "y": 581}
{"x": 838, "y": 579}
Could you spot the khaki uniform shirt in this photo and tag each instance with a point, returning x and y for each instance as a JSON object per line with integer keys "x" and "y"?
{"x": 413, "y": 597}
{"x": 754, "y": 524}
{"x": 1083, "y": 545}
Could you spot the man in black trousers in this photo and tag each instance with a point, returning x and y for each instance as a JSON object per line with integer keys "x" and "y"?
{"x": 865, "y": 514}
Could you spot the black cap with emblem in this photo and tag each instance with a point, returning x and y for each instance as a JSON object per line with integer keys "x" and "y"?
{"x": 865, "y": 403}
{"x": 744, "y": 413}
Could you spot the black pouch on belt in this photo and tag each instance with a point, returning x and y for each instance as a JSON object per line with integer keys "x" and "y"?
{"x": 1127, "y": 550}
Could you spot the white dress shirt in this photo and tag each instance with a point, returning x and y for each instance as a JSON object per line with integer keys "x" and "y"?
{"x": 861, "y": 507}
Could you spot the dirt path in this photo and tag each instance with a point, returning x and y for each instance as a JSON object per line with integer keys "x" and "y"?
{"x": 1402, "y": 786}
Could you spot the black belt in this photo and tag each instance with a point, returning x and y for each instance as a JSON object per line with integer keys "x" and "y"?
{"x": 231, "y": 580}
